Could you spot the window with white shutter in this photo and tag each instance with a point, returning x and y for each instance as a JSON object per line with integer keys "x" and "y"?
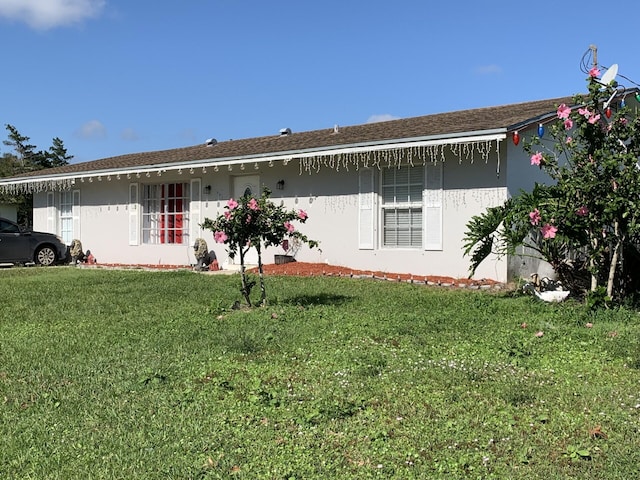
{"x": 165, "y": 213}
{"x": 402, "y": 191}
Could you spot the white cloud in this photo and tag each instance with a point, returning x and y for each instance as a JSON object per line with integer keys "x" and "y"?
{"x": 130, "y": 135}
{"x": 93, "y": 129}
{"x": 384, "y": 117}
{"x": 46, "y": 14}
{"x": 488, "y": 69}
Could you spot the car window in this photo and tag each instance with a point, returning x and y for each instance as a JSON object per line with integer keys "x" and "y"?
{"x": 7, "y": 227}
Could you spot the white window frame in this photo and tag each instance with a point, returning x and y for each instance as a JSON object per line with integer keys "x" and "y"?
{"x": 403, "y": 202}
{"x": 157, "y": 214}
{"x": 67, "y": 215}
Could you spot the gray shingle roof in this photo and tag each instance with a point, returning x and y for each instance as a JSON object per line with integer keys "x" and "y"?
{"x": 507, "y": 117}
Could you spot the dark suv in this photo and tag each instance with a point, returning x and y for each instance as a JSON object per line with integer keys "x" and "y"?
{"x": 22, "y": 246}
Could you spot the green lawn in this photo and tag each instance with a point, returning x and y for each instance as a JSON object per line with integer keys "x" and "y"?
{"x": 133, "y": 374}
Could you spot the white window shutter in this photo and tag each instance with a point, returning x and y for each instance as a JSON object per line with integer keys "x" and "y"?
{"x": 134, "y": 215}
{"x": 75, "y": 212}
{"x": 194, "y": 210}
{"x": 366, "y": 210}
{"x": 51, "y": 213}
{"x": 433, "y": 207}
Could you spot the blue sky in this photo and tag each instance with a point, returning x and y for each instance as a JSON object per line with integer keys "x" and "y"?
{"x": 111, "y": 77}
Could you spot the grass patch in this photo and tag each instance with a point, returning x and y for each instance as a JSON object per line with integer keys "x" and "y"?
{"x": 133, "y": 374}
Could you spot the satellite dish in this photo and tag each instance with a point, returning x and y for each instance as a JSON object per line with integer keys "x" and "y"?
{"x": 609, "y": 75}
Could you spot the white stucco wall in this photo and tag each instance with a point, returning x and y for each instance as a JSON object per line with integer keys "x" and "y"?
{"x": 522, "y": 176}
{"x": 330, "y": 197}
{"x": 331, "y": 200}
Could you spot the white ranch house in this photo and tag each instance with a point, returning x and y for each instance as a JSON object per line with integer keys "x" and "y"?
{"x": 393, "y": 196}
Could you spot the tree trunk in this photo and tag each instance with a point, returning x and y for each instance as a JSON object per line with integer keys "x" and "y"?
{"x": 592, "y": 261}
{"x": 263, "y": 291}
{"x": 614, "y": 260}
{"x": 243, "y": 278}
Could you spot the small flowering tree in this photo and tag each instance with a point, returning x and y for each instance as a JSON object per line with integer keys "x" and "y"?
{"x": 586, "y": 223}
{"x": 258, "y": 223}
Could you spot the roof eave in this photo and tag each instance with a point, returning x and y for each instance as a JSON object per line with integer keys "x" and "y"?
{"x": 389, "y": 144}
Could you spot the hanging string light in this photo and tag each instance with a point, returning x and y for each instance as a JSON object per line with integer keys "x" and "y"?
{"x": 516, "y": 138}
{"x": 540, "y": 130}
{"x": 395, "y": 158}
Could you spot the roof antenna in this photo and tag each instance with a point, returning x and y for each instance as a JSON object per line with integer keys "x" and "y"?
{"x": 594, "y": 52}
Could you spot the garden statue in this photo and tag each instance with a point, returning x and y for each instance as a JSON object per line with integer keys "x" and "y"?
{"x": 206, "y": 258}
{"x": 75, "y": 251}
{"x": 89, "y": 258}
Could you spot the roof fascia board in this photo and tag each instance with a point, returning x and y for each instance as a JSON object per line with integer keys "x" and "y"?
{"x": 467, "y": 137}
{"x": 553, "y": 115}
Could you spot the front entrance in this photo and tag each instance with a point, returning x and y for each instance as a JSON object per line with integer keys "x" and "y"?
{"x": 246, "y": 185}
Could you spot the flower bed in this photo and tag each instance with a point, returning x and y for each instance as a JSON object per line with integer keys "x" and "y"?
{"x": 305, "y": 269}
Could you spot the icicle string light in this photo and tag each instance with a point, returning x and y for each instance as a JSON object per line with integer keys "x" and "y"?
{"x": 38, "y": 186}
{"x": 383, "y": 158}
{"x": 395, "y": 158}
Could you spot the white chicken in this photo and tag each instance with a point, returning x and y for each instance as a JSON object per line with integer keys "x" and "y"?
{"x": 546, "y": 289}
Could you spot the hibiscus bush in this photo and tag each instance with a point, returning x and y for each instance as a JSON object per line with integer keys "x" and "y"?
{"x": 258, "y": 223}
{"x": 586, "y": 221}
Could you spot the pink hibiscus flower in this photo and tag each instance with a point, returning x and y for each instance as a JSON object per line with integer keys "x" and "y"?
{"x": 568, "y": 124}
{"x": 563, "y": 111}
{"x": 548, "y": 231}
{"x": 536, "y": 158}
{"x": 584, "y": 112}
{"x": 534, "y": 217}
{"x": 302, "y": 215}
{"x": 220, "y": 237}
{"x": 593, "y": 119}
{"x": 594, "y": 72}
{"x": 285, "y": 244}
{"x": 232, "y": 204}
{"x": 289, "y": 226}
{"x": 253, "y": 204}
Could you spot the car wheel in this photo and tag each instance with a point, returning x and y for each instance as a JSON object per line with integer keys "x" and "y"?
{"x": 46, "y": 256}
